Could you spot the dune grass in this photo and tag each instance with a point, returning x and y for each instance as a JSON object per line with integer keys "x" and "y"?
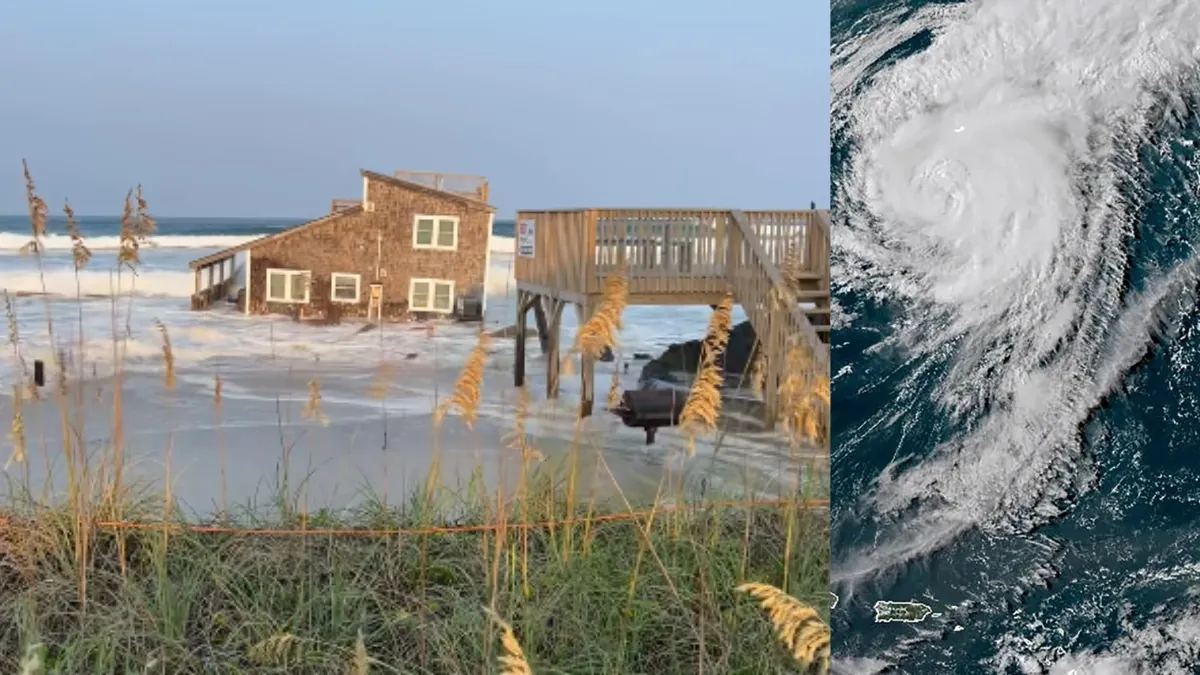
{"x": 541, "y": 578}
{"x": 225, "y": 602}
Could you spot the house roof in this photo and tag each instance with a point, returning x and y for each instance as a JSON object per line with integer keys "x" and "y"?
{"x": 408, "y": 185}
{"x": 400, "y": 182}
{"x": 222, "y": 255}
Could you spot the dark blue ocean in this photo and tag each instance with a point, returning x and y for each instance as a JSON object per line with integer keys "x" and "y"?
{"x": 1016, "y": 401}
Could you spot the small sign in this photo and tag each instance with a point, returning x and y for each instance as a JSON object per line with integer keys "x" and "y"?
{"x": 526, "y": 237}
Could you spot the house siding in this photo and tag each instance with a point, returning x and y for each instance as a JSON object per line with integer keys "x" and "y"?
{"x": 348, "y": 244}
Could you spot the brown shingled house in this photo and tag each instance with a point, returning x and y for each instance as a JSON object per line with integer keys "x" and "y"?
{"x": 409, "y": 247}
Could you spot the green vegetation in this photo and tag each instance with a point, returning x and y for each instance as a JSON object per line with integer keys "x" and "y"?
{"x": 598, "y": 599}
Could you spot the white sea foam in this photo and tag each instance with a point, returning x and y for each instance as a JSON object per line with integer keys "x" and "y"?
{"x": 94, "y": 283}
{"x": 11, "y": 242}
{"x": 983, "y": 195}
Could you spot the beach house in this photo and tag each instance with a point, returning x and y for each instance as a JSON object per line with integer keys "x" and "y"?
{"x": 415, "y": 244}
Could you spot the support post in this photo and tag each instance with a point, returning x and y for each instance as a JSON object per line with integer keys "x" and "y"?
{"x": 539, "y": 317}
{"x": 776, "y": 360}
{"x": 587, "y": 368}
{"x": 552, "y": 346}
{"x": 519, "y": 363}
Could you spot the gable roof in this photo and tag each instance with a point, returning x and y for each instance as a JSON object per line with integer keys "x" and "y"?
{"x": 398, "y": 182}
{"x": 222, "y": 255}
{"x": 409, "y": 185}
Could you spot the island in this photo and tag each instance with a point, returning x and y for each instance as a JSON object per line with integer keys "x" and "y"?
{"x": 887, "y": 611}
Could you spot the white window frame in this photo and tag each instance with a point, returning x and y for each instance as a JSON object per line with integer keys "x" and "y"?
{"x": 433, "y": 283}
{"x": 333, "y": 279}
{"x": 288, "y": 287}
{"x": 433, "y": 244}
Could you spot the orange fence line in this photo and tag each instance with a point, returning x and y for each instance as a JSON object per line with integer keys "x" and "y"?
{"x": 491, "y": 527}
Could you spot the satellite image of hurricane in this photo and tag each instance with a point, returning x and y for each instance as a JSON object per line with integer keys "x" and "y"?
{"x": 1016, "y": 394}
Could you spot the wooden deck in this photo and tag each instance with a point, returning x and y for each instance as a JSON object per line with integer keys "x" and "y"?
{"x": 679, "y": 257}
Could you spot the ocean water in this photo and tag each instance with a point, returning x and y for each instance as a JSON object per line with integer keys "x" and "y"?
{"x": 1016, "y": 403}
{"x": 267, "y": 363}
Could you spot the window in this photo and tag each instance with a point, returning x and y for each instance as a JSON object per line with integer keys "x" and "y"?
{"x": 436, "y": 232}
{"x": 431, "y": 295}
{"x": 287, "y": 285}
{"x": 345, "y": 287}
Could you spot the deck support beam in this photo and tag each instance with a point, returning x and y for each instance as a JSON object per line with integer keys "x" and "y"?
{"x": 525, "y": 300}
{"x": 552, "y": 342}
{"x": 539, "y": 318}
{"x": 587, "y": 365}
{"x": 776, "y": 358}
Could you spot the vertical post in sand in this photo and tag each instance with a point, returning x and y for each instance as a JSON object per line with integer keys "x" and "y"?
{"x": 587, "y": 367}
{"x": 776, "y": 353}
{"x": 552, "y": 344}
{"x": 539, "y": 318}
{"x": 519, "y": 363}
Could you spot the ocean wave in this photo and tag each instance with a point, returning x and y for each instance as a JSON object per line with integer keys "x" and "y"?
{"x": 99, "y": 283}
{"x": 12, "y": 242}
{"x": 985, "y": 193}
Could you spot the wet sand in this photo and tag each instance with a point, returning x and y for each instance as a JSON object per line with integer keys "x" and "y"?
{"x": 360, "y": 445}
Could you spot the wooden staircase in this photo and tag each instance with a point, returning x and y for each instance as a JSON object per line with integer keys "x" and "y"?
{"x": 786, "y": 311}
{"x": 813, "y": 299}
{"x": 776, "y": 263}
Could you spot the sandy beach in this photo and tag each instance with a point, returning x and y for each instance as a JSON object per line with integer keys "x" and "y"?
{"x": 361, "y": 445}
{"x": 386, "y": 446}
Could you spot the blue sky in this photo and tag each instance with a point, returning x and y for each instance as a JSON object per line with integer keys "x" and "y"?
{"x": 270, "y": 108}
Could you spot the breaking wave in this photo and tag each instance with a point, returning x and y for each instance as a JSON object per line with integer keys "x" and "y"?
{"x": 99, "y": 283}
{"x": 11, "y": 242}
{"x": 990, "y": 190}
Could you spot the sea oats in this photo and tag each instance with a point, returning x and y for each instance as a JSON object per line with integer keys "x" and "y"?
{"x": 137, "y": 226}
{"x": 127, "y": 252}
{"x": 793, "y": 267}
{"x": 758, "y": 370}
{"x": 512, "y": 661}
{"x": 278, "y": 650}
{"x": 467, "y": 390}
{"x": 599, "y": 333}
{"x": 312, "y": 408}
{"x": 80, "y": 253}
{"x": 361, "y": 664}
{"x": 703, "y": 405}
{"x": 804, "y": 398}
{"x": 16, "y": 433}
{"x": 614, "y": 387}
{"x": 797, "y": 625}
{"x": 37, "y": 207}
{"x": 168, "y": 355}
{"x": 518, "y": 438}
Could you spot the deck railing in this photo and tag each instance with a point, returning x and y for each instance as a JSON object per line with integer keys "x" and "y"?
{"x": 343, "y": 204}
{"x": 665, "y": 251}
{"x": 475, "y": 187}
{"x": 759, "y": 287}
{"x": 698, "y": 252}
